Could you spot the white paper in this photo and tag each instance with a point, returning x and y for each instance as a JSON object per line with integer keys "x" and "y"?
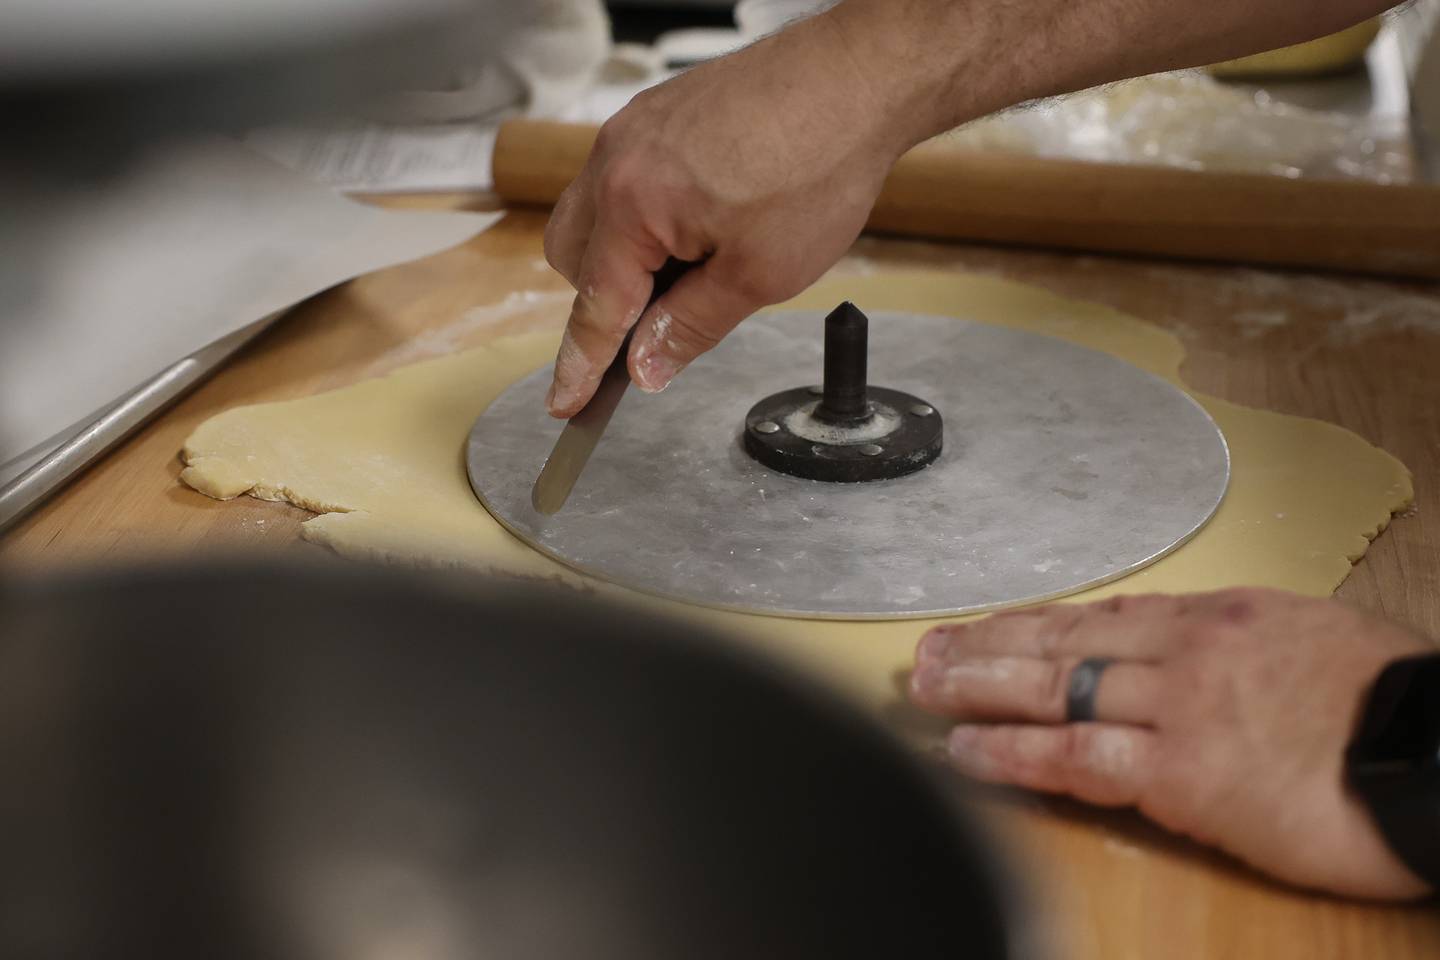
{"x": 603, "y": 101}
{"x": 381, "y": 158}
{"x": 210, "y": 357}
{"x": 198, "y": 243}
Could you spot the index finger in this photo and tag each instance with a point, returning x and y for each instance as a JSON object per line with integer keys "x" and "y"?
{"x": 567, "y": 233}
{"x": 1141, "y": 628}
{"x": 616, "y": 277}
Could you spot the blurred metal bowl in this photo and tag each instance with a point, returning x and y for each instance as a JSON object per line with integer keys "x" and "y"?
{"x": 297, "y": 763}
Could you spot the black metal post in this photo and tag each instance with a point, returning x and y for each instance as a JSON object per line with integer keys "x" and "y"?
{"x": 846, "y": 345}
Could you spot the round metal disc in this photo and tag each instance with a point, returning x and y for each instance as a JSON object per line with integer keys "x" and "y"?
{"x": 1063, "y": 468}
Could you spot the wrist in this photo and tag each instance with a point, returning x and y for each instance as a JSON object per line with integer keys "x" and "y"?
{"x": 1393, "y": 765}
{"x": 917, "y": 87}
{"x": 936, "y": 64}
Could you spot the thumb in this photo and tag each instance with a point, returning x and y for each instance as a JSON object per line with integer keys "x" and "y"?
{"x": 703, "y": 306}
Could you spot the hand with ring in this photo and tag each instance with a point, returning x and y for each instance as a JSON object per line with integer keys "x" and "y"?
{"x": 1222, "y": 716}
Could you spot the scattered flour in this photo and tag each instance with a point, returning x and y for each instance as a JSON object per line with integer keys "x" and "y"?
{"x": 1120, "y": 848}
{"x": 803, "y": 424}
{"x": 1353, "y": 308}
{"x": 1256, "y": 323}
{"x": 663, "y": 322}
{"x": 454, "y": 336}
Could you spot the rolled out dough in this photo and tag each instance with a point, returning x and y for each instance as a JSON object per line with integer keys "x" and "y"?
{"x": 1329, "y": 54}
{"x": 381, "y": 462}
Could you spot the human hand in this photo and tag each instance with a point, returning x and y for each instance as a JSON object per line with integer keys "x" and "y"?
{"x": 1225, "y": 716}
{"x": 763, "y": 164}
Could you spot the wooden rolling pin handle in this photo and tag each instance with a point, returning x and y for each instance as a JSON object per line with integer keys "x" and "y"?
{"x": 941, "y": 191}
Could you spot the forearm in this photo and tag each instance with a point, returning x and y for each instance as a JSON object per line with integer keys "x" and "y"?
{"x": 936, "y": 64}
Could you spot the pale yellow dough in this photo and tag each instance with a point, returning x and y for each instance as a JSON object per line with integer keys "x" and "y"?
{"x": 381, "y": 462}
{"x": 1338, "y": 51}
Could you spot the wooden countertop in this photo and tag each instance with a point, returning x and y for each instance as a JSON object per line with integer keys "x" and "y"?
{"x": 1361, "y": 353}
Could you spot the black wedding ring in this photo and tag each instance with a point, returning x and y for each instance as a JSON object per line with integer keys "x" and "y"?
{"x": 1084, "y": 684}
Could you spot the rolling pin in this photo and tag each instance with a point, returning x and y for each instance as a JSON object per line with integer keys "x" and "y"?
{"x": 941, "y": 191}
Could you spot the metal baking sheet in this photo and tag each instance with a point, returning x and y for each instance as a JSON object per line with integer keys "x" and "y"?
{"x": 1063, "y": 468}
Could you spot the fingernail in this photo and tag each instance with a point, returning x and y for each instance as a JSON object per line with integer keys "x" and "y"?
{"x": 656, "y": 371}
{"x": 924, "y": 680}
{"x": 560, "y": 399}
{"x": 934, "y": 643}
{"x": 966, "y": 753}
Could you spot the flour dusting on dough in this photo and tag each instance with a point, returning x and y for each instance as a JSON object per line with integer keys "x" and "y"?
{"x": 1257, "y": 323}
{"x": 1354, "y": 308}
{"x": 476, "y": 321}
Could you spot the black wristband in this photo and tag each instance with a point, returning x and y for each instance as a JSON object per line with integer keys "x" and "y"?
{"x": 1394, "y": 762}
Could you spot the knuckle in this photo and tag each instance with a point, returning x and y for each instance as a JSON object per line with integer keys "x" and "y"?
{"x": 1125, "y": 604}
{"x": 606, "y": 308}
{"x": 1238, "y": 612}
{"x": 618, "y": 322}
{"x": 998, "y": 628}
{"x": 1201, "y": 692}
{"x": 1052, "y": 686}
{"x": 693, "y": 334}
{"x": 1199, "y": 633}
{"x": 1072, "y": 752}
{"x": 553, "y": 246}
{"x": 1005, "y": 753}
{"x": 755, "y": 286}
{"x": 1094, "y": 760}
{"x": 1225, "y": 615}
{"x": 607, "y": 135}
{"x": 1054, "y": 632}
{"x": 1110, "y": 604}
{"x": 689, "y": 246}
{"x": 645, "y": 98}
{"x": 1176, "y": 690}
{"x": 587, "y": 318}
{"x": 1239, "y": 606}
{"x": 620, "y": 184}
{"x": 990, "y": 623}
{"x": 937, "y": 641}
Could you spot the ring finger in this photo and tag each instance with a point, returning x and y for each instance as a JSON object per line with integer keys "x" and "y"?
{"x": 1032, "y": 690}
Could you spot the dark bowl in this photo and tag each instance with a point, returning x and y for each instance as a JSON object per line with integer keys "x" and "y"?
{"x": 348, "y": 764}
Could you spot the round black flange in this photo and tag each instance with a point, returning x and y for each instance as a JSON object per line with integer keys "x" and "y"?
{"x": 901, "y": 434}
